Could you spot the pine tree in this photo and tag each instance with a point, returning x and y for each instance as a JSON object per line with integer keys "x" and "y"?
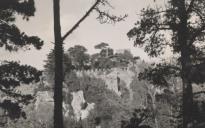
{"x": 11, "y": 38}
{"x": 12, "y": 74}
{"x": 180, "y": 25}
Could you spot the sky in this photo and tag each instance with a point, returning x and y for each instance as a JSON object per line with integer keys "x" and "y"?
{"x": 88, "y": 34}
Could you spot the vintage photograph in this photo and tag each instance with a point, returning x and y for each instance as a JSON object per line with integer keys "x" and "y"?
{"x": 102, "y": 63}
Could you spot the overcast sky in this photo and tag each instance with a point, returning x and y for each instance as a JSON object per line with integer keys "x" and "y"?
{"x": 90, "y": 32}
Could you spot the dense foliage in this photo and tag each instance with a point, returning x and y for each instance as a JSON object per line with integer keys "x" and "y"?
{"x": 49, "y": 67}
{"x": 11, "y": 37}
{"x": 178, "y": 25}
{"x": 12, "y": 74}
{"x": 77, "y": 58}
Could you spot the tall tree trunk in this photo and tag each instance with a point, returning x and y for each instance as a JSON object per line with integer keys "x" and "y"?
{"x": 152, "y": 94}
{"x": 154, "y": 107}
{"x": 183, "y": 33}
{"x": 155, "y": 111}
{"x": 58, "y": 50}
{"x": 187, "y": 106}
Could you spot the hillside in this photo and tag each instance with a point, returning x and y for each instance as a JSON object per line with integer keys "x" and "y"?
{"x": 94, "y": 98}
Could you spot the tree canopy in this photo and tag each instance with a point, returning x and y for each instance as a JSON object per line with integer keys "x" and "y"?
{"x": 159, "y": 28}
{"x": 78, "y": 56}
{"x": 12, "y": 74}
{"x": 101, "y": 45}
{"x": 179, "y": 25}
{"x": 49, "y": 67}
{"x": 11, "y": 37}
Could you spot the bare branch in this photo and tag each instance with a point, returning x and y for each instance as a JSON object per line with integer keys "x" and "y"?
{"x": 106, "y": 3}
{"x": 81, "y": 20}
{"x": 199, "y": 93}
{"x": 156, "y": 12}
{"x": 19, "y": 97}
{"x": 191, "y": 5}
{"x": 105, "y": 17}
{"x": 201, "y": 16}
{"x": 197, "y": 33}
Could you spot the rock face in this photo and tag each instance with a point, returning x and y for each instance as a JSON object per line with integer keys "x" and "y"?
{"x": 122, "y": 82}
{"x": 44, "y": 106}
{"x": 43, "y": 97}
{"x": 77, "y": 103}
{"x": 116, "y": 80}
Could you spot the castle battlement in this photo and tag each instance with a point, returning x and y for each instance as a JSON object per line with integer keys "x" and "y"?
{"x": 96, "y": 72}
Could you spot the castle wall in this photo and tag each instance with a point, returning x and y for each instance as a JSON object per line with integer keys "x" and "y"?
{"x": 112, "y": 77}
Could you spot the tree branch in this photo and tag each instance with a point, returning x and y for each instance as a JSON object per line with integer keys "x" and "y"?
{"x": 197, "y": 33}
{"x": 23, "y": 98}
{"x": 201, "y": 16}
{"x": 105, "y": 17}
{"x": 156, "y": 12}
{"x": 198, "y": 93}
{"x": 191, "y": 5}
{"x": 81, "y": 20}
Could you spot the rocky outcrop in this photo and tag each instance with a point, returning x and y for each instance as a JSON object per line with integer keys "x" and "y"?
{"x": 116, "y": 80}
{"x": 44, "y": 105}
{"x": 77, "y": 105}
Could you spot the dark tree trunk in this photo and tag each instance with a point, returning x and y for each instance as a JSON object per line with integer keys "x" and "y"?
{"x": 183, "y": 33}
{"x": 58, "y": 50}
{"x": 187, "y": 105}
